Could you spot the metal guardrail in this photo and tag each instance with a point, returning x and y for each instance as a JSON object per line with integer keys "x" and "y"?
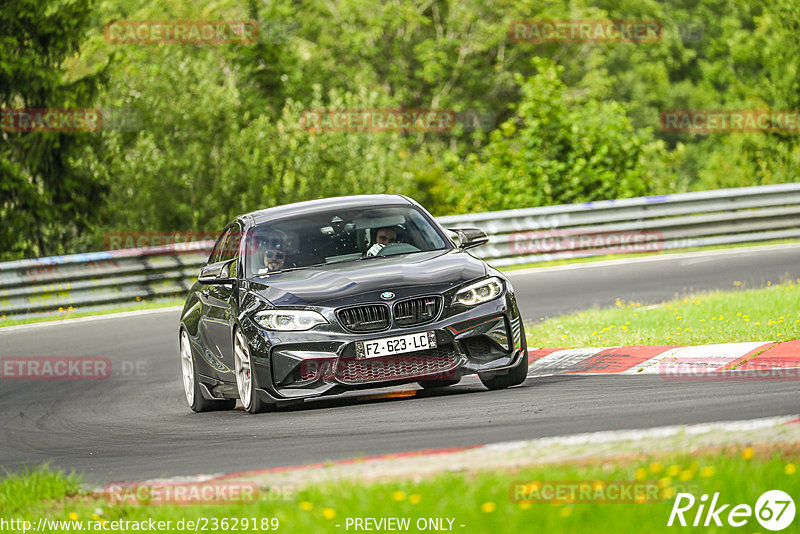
{"x": 46, "y": 286}
{"x": 642, "y": 224}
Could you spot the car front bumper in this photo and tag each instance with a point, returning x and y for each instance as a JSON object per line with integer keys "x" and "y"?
{"x": 297, "y": 365}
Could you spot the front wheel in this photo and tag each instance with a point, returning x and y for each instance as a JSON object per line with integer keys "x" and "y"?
{"x": 514, "y": 377}
{"x": 244, "y": 376}
{"x": 191, "y": 385}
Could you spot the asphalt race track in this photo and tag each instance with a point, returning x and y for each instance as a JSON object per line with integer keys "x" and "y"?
{"x": 136, "y": 424}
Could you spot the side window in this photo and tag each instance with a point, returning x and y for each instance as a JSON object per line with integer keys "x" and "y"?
{"x": 217, "y": 250}
{"x": 231, "y": 248}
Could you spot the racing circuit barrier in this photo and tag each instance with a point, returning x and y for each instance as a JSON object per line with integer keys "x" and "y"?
{"x": 48, "y": 286}
{"x": 642, "y": 224}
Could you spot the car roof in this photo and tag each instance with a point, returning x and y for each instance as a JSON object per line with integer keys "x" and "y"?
{"x": 315, "y": 206}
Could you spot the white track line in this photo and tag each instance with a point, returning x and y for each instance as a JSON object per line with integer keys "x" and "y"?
{"x": 91, "y": 318}
{"x": 560, "y": 361}
{"x": 592, "y": 438}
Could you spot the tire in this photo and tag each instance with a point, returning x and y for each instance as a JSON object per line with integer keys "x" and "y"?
{"x": 191, "y": 385}
{"x": 515, "y": 376}
{"x": 433, "y": 384}
{"x": 244, "y": 376}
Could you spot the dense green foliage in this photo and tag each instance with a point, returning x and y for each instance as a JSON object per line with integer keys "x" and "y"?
{"x": 218, "y": 128}
{"x": 47, "y": 196}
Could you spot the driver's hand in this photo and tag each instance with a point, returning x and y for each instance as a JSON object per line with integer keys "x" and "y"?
{"x": 375, "y": 249}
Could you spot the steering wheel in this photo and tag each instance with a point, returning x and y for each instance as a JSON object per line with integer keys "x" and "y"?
{"x": 397, "y": 248}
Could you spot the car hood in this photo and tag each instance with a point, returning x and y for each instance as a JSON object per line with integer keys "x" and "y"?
{"x": 364, "y": 281}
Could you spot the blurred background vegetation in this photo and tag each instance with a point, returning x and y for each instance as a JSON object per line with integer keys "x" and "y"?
{"x": 210, "y": 131}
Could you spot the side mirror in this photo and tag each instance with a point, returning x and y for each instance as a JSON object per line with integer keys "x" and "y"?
{"x": 470, "y": 237}
{"x": 218, "y": 273}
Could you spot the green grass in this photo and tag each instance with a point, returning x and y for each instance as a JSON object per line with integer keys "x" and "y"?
{"x": 481, "y": 501}
{"x": 72, "y": 313}
{"x": 31, "y": 487}
{"x": 768, "y": 314}
{"x": 592, "y": 259}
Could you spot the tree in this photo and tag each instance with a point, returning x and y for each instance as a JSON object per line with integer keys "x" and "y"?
{"x": 561, "y": 146}
{"x": 46, "y": 197}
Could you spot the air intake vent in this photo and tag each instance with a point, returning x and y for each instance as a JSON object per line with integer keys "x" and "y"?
{"x": 432, "y": 363}
{"x": 417, "y": 311}
{"x": 371, "y": 318}
{"x": 478, "y": 346}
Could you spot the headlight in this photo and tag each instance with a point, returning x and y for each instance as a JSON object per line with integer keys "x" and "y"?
{"x": 286, "y": 320}
{"x": 479, "y": 292}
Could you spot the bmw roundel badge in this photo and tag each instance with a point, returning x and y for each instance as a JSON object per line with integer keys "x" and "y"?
{"x": 387, "y": 295}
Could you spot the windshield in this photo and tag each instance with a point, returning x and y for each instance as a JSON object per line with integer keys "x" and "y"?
{"x": 338, "y": 236}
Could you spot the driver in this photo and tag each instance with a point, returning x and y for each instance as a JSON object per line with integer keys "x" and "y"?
{"x": 383, "y": 237}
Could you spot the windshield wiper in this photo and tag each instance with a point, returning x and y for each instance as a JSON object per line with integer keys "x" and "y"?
{"x": 291, "y": 269}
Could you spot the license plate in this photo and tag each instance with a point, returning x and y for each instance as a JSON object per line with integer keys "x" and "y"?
{"x": 395, "y": 345}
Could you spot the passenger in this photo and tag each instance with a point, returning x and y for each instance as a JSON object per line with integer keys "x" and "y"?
{"x": 274, "y": 252}
{"x": 383, "y": 237}
{"x": 274, "y": 259}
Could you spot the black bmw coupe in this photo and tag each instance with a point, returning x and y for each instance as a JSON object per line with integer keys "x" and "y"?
{"x": 325, "y": 296}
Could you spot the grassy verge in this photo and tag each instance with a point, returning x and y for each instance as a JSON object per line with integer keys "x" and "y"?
{"x": 607, "y": 257}
{"x": 481, "y": 502}
{"x": 72, "y": 313}
{"x": 768, "y": 314}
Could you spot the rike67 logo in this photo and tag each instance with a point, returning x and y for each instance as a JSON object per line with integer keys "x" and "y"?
{"x": 774, "y": 510}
